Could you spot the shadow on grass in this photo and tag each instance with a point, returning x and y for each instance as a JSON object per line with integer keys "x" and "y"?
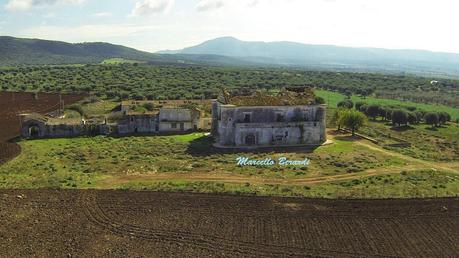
{"x": 203, "y": 146}
{"x": 430, "y": 128}
{"x": 348, "y": 138}
{"x": 402, "y": 128}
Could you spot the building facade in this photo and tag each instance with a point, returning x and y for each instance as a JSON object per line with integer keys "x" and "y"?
{"x": 268, "y": 125}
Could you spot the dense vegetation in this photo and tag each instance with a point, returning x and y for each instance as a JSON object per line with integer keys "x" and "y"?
{"x": 142, "y": 81}
{"x": 17, "y": 51}
{"x": 398, "y": 115}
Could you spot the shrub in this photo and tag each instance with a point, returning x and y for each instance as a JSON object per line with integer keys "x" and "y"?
{"x": 359, "y": 104}
{"x": 346, "y": 104}
{"x": 77, "y": 108}
{"x": 319, "y": 100}
{"x": 149, "y": 106}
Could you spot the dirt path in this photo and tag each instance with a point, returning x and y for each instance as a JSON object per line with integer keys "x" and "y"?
{"x": 414, "y": 164}
{"x": 421, "y": 164}
{"x": 227, "y": 178}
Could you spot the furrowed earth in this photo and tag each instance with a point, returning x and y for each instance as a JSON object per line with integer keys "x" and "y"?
{"x": 87, "y": 223}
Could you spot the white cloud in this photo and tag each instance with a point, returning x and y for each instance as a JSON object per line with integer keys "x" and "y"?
{"x": 148, "y": 7}
{"x": 253, "y": 3}
{"x": 102, "y": 14}
{"x": 25, "y": 5}
{"x": 86, "y": 32}
{"x": 206, "y": 5}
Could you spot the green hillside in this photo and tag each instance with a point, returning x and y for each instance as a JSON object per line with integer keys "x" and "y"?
{"x": 17, "y": 51}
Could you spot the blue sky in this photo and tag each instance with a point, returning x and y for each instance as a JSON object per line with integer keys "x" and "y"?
{"x": 153, "y": 25}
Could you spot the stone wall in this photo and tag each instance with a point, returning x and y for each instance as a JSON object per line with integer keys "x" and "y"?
{"x": 269, "y": 125}
{"x": 143, "y": 124}
{"x": 37, "y": 129}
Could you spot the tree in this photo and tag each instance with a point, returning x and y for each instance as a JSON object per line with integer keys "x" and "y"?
{"x": 372, "y": 111}
{"x": 363, "y": 108}
{"x": 443, "y": 117}
{"x": 389, "y": 113}
{"x": 359, "y": 104}
{"x": 431, "y": 118}
{"x": 419, "y": 115}
{"x": 336, "y": 118}
{"x": 353, "y": 120}
{"x": 346, "y": 104}
{"x": 399, "y": 117}
{"x": 412, "y": 118}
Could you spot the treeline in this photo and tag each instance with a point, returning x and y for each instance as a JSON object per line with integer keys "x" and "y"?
{"x": 143, "y": 81}
{"x": 398, "y": 115}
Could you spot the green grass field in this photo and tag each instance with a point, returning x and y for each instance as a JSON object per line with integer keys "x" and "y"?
{"x": 333, "y": 98}
{"x": 134, "y": 162}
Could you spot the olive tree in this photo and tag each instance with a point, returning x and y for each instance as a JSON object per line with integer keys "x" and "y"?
{"x": 431, "y": 118}
{"x": 353, "y": 120}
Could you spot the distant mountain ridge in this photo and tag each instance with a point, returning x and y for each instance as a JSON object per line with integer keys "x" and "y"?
{"x": 229, "y": 51}
{"x": 298, "y": 54}
{"x": 18, "y": 51}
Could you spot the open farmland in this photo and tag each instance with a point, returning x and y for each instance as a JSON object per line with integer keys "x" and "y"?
{"x": 78, "y": 223}
{"x": 14, "y": 103}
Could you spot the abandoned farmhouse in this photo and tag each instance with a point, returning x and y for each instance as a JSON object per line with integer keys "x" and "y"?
{"x": 291, "y": 118}
{"x": 163, "y": 120}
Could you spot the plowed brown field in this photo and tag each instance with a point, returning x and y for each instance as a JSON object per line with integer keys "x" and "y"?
{"x": 56, "y": 223}
{"x": 14, "y": 103}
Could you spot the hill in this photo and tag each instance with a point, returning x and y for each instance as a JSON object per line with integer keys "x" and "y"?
{"x": 18, "y": 51}
{"x": 327, "y": 56}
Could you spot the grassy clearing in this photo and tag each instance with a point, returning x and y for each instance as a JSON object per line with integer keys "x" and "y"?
{"x": 92, "y": 162}
{"x": 83, "y": 162}
{"x": 332, "y": 99}
{"x": 438, "y": 144}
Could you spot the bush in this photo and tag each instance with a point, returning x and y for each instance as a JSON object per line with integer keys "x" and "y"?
{"x": 319, "y": 100}
{"x": 149, "y": 106}
{"x": 346, "y": 104}
{"x": 359, "y": 104}
{"x": 77, "y": 108}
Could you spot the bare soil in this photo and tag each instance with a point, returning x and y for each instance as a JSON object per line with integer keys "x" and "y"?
{"x": 14, "y": 103}
{"x": 78, "y": 223}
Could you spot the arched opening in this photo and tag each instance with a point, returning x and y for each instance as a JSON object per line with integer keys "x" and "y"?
{"x": 250, "y": 139}
{"x": 34, "y": 131}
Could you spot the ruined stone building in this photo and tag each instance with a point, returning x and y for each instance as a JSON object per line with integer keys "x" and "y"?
{"x": 39, "y": 126}
{"x": 163, "y": 120}
{"x": 292, "y": 118}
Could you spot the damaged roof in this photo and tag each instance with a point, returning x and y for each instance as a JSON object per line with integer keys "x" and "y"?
{"x": 290, "y": 96}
